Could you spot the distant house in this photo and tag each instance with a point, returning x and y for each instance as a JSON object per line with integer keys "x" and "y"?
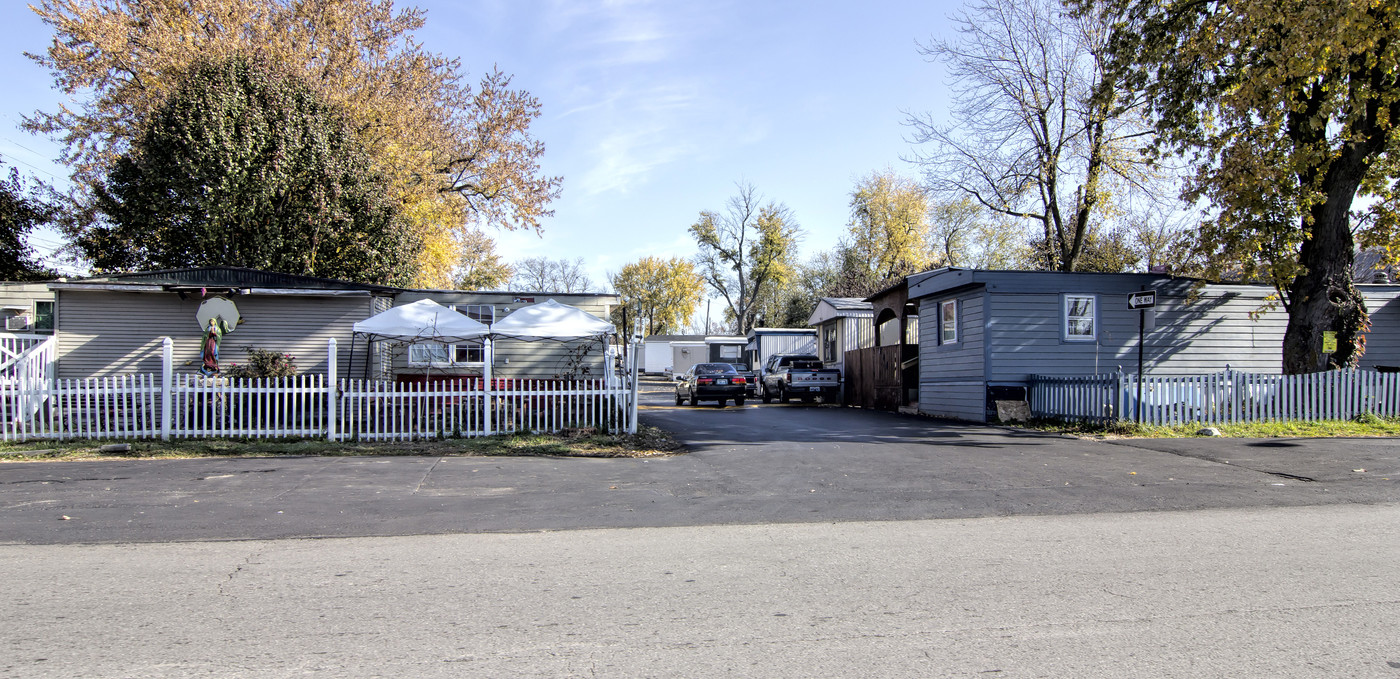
{"x": 765, "y": 342}
{"x": 843, "y": 324}
{"x": 111, "y": 325}
{"x": 983, "y": 333}
{"x": 725, "y": 348}
{"x": 656, "y": 351}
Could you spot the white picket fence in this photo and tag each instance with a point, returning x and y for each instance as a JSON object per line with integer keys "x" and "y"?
{"x": 166, "y": 405}
{"x": 1217, "y": 398}
{"x": 376, "y": 410}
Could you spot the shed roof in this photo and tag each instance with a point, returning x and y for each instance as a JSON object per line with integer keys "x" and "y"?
{"x": 829, "y": 308}
{"x": 674, "y": 338}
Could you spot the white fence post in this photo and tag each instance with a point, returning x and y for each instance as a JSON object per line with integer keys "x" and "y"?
{"x": 636, "y": 375}
{"x": 331, "y": 390}
{"x": 167, "y": 356}
{"x": 490, "y": 351}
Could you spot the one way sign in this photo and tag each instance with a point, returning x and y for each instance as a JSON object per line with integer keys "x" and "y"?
{"x": 1142, "y": 300}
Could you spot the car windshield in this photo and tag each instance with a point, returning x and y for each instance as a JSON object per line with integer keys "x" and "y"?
{"x": 713, "y": 369}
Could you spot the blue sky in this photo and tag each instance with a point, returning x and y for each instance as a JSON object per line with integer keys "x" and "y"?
{"x": 651, "y": 111}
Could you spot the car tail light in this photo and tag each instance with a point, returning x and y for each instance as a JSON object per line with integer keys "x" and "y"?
{"x": 787, "y": 377}
{"x": 739, "y": 380}
{"x": 704, "y": 380}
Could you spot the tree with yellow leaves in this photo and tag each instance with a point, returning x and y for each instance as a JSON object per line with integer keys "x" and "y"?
{"x": 665, "y": 292}
{"x": 889, "y": 225}
{"x": 453, "y": 156}
{"x": 480, "y": 266}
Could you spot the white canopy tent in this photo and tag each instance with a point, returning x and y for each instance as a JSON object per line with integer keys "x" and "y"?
{"x": 428, "y": 321}
{"x": 551, "y": 320}
{"x": 421, "y": 321}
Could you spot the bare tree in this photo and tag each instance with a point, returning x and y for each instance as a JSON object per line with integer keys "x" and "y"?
{"x": 541, "y": 274}
{"x": 1040, "y": 131}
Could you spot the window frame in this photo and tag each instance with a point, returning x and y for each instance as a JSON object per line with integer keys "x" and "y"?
{"x": 946, "y": 326}
{"x": 52, "y": 316}
{"x": 1066, "y": 319}
{"x": 829, "y": 343}
{"x": 476, "y": 312}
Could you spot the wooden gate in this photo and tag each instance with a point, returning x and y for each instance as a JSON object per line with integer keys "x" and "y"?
{"x": 873, "y": 379}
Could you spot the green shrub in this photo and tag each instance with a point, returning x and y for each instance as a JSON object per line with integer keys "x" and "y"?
{"x": 263, "y": 363}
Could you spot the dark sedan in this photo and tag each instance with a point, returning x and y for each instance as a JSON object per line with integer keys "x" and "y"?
{"x": 711, "y": 382}
{"x": 750, "y": 380}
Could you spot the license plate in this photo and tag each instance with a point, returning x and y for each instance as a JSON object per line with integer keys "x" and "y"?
{"x": 721, "y": 381}
{"x": 816, "y": 388}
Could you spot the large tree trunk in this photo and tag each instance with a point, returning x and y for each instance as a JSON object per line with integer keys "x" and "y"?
{"x": 1325, "y": 298}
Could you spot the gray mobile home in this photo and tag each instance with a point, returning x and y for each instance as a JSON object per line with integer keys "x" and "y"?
{"x": 115, "y": 324}
{"x": 982, "y": 334}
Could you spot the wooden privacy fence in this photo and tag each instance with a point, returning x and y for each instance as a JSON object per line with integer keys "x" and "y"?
{"x": 872, "y": 377}
{"x": 1217, "y": 398}
{"x": 164, "y": 405}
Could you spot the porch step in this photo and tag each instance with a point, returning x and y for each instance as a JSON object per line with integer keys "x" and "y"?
{"x": 911, "y": 409}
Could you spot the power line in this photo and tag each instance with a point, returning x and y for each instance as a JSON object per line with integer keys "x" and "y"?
{"x": 35, "y": 168}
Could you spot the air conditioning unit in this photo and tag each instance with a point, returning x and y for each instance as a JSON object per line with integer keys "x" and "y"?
{"x": 20, "y": 322}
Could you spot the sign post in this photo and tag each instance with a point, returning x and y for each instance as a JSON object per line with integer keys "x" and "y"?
{"x": 1142, "y": 301}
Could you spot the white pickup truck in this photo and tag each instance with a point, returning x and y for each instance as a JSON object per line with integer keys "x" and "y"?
{"x": 788, "y": 376}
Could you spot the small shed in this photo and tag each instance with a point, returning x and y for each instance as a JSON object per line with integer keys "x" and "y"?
{"x": 843, "y": 324}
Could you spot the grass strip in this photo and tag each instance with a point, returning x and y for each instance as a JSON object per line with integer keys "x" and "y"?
{"x": 647, "y": 442}
{"x": 1364, "y": 427}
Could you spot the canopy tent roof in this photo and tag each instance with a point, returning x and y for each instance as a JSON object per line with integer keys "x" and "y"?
{"x": 551, "y": 320}
{"x": 424, "y": 320}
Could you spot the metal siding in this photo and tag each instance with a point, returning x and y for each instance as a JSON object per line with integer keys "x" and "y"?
{"x": 111, "y": 333}
{"x": 956, "y": 400}
{"x": 951, "y": 376}
{"x": 961, "y": 361}
{"x": 657, "y": 357}
{"x": 1383, "y": 340}
{"x": 859, "y": 332}
{"x": 1025, "y": 335}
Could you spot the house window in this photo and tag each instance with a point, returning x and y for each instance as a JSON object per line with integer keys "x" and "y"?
{"x": 437, "y": 354}
{"x": 729, "y": 351}
{"x": 1079, "y": 317}
{"x": 948, "y": 322}
{"x": 481, "y": 313}
{"x": 829, "y": 344}
{"x": 43, "y": 316}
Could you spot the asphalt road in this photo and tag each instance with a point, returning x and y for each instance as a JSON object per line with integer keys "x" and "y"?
{"x": 751, "y": 465}
{"x": 1280, "y": 593}
{"x": 790, "y": 541}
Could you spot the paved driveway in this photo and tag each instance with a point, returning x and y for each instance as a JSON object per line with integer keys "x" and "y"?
{"x": 750, "y": 465}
